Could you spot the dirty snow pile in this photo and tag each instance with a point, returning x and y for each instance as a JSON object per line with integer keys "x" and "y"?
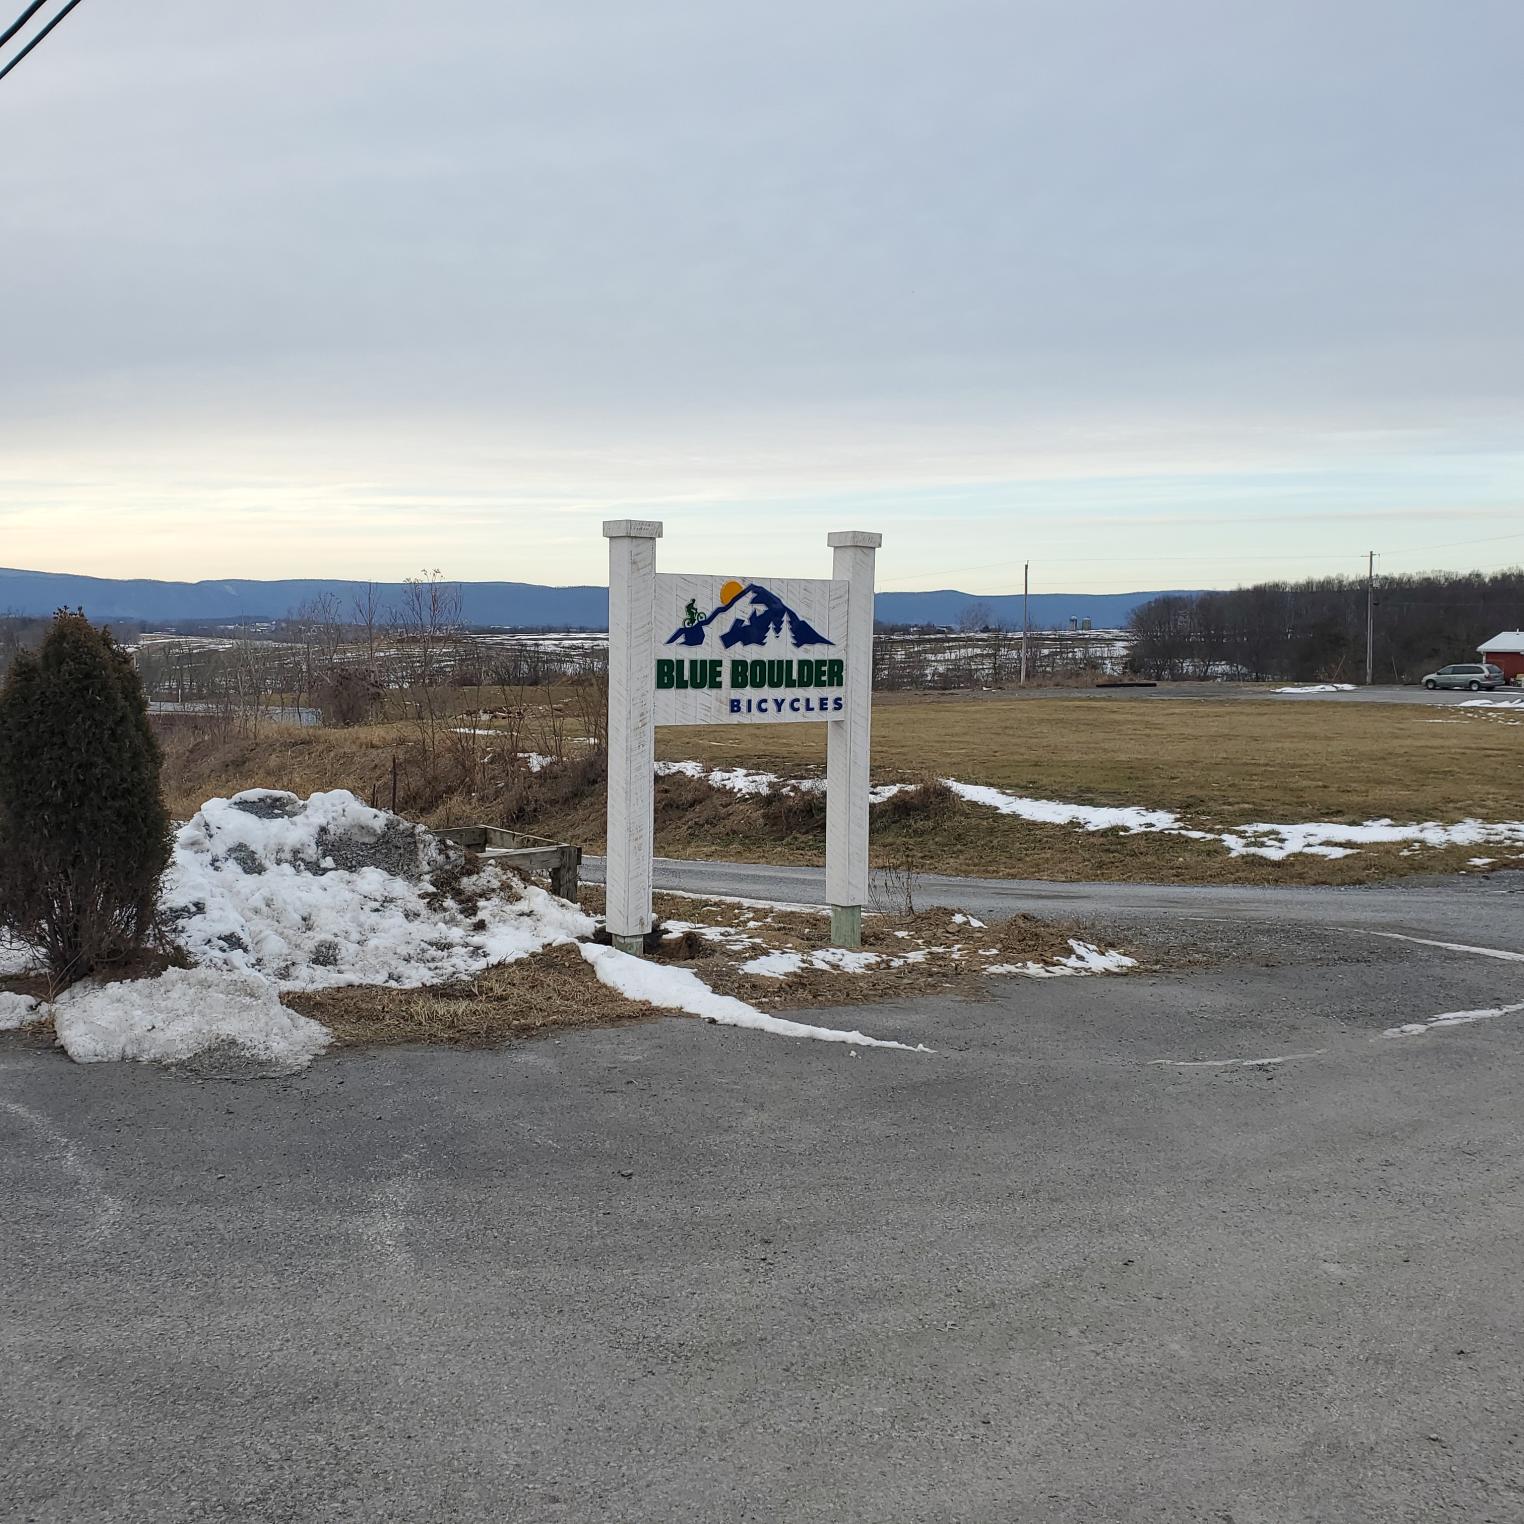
{"x": 327, "y": 891}
{"x": 1318, "y": 688}
{"x": 181, "y": 1013}
{"x": 267, "y": 892}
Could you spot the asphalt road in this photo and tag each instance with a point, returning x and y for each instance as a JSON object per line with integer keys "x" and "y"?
{"x": 1185, "y": 1245}
{"x": 1459, "y": 909}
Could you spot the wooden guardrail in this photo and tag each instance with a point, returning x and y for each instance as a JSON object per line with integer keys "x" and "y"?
{"x": 530, "y": 854}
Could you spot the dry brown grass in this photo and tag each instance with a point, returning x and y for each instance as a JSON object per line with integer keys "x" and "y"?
{"x": 949, "y": 958}
{"x": 554, "y": 990}
{"x": 1219, "y": 764}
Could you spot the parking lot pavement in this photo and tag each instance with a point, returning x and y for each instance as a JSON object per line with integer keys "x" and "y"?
{"x": 1170, "y": 1246}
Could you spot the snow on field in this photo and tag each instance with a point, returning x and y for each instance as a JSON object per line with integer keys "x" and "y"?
{"x": 747, "y": 782}
{"x": 1317, "y": 688}
{"x": 1271, "y": 840}
{"x": 734, "y": 780}
{"x": 1331, "y": 839}
{"x": 1491, "y": 704}
{"x": 1088, "y": 817}
{"x": 181, "y": 1013}
{"x": 18, "y": 1011}
{"x": 328, "y": 892}
{"x": 681, "y": 989}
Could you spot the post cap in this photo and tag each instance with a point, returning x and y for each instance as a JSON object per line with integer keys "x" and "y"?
{"x": 854, "y": 539}
{"x": 632, "y": 529}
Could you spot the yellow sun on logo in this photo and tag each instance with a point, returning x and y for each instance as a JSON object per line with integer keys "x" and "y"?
{"x": 732, "y": 589}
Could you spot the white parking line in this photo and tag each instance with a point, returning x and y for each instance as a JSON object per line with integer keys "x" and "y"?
{"x": 1229, "y": 1063}
{"x": 106, "y": 1208}
{"x": 1481, "y": 952}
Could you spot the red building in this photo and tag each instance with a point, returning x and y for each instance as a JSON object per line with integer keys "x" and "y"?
{"x": 1506, "y": 651}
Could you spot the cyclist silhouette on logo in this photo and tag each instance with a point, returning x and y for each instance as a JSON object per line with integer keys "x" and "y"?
{"x": 691, "y": 615}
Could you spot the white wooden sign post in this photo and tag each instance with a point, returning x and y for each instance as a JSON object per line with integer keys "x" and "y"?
{"x": 701, "y": 650}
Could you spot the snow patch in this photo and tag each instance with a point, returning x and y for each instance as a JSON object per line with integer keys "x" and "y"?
{"x": 681, "y": 989}
{"x": 1089, "y": 817}
{"x": 778, "y": 965}
{"x": 17, "y": 1011}
{"x": 734, "y": 780}
{"x": 1317, "y": 688}
{"x": 180, "y": 1013}
{"x": 15, "y": 957}
{"x": 1490, "y": 704}
{"x": 1332, "y": 839}
{"x": 1084, "y": 958}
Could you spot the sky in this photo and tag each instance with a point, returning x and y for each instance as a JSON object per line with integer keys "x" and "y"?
{"x": 1173, "y": 294}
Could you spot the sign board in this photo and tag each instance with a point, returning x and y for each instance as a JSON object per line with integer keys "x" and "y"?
{"x": 750, "y": 650}
{"x": 736, "y": 650}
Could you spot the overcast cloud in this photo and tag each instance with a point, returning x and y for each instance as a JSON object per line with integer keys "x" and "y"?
{"x": 1153, "y": 294}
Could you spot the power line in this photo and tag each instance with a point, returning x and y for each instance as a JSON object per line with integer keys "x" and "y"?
{"x": 38, "y": 38}
{"x": 22, "y": 20}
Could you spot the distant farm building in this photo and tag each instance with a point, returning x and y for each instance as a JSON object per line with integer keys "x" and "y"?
{"x": 1505, "y": 651}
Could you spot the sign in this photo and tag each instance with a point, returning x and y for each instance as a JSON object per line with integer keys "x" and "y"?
{"x": 737, "y": 650}
{"x": 749, "y": 650}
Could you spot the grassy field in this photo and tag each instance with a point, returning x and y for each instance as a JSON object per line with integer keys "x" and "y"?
{"x": 1227, "y": 763}
{"x": 1218, "y": 765}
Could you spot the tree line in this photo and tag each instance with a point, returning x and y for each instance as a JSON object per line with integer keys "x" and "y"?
{"x": 1314, "y": 631}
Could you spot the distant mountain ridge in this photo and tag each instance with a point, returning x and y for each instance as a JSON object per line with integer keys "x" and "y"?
{"x": 527, "y": 604}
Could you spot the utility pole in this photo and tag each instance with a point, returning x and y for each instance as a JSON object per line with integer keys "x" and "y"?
{"x": 1370, "y": 621}
{"x": 1026, "y": 568}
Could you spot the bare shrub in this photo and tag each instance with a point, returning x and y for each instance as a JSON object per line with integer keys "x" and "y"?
{"x": 786, "y": 812}
{"x": 892, "y": 888}
{"x": 928, "y": 800}
{"x": 557, "y": 786}
{"x": 348, "y": 696}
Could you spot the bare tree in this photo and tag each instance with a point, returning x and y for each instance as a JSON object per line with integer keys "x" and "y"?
{"x": 428, "y": 628}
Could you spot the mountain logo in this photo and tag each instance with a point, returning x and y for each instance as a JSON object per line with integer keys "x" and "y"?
{"x": 749, "y": 616}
